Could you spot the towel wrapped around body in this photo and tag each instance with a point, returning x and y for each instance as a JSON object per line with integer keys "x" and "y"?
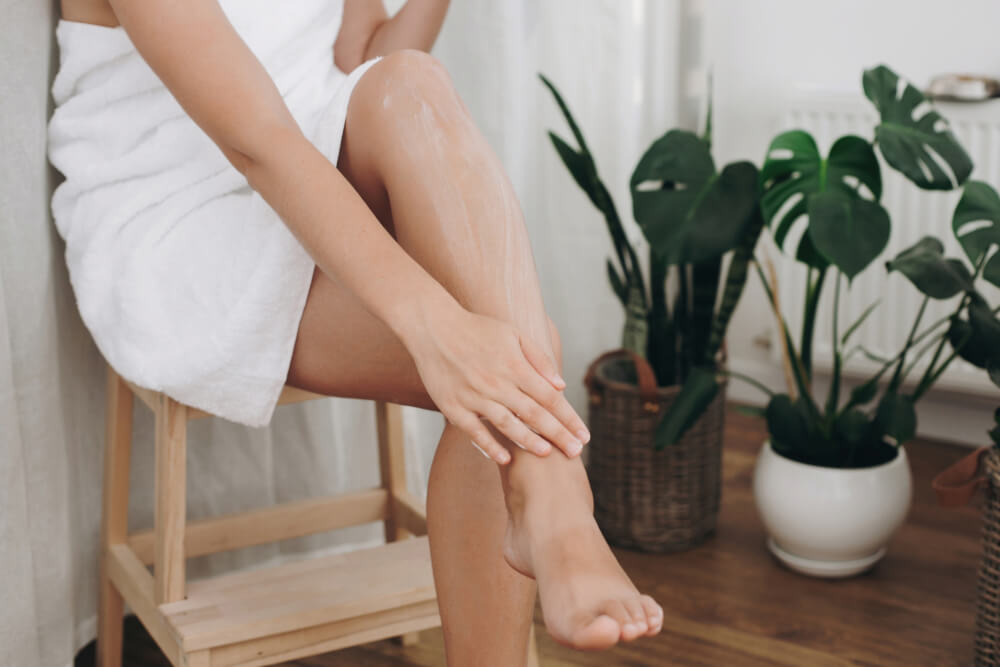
{"x": 188, "y": 281}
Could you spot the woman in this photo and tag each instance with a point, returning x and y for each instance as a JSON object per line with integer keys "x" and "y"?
{"x": 421, "y": 288}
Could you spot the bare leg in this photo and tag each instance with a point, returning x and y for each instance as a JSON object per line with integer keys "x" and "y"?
{"x": 410, "y": 146}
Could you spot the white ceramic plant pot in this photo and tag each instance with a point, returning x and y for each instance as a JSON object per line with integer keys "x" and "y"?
{"x": 830, "y": 522}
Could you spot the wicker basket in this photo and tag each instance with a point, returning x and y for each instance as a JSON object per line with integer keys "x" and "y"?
{"x": 658, "y": 501}
{"x": 988, "y": 585}
{"x": 956, "y": 486}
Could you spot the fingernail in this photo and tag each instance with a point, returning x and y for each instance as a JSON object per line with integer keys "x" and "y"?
{"x": 543, "y": 449}
{"x": 628, "y": 628}
{"x": 505, "y": 456}
{"x": 575, "y": 447}
{"x": 559, "y": 380}
{"x": 583, "y": 434}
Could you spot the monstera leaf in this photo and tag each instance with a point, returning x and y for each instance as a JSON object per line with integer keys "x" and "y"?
{"x": 977, "y": 339}
{"x": 848, "y": 231}
{"x": 688, "y": 212}
{"x": 977, "y": 226}
{"x": 896, "y": 417}
{"x": 925, "y": 265}
{"x": 846, "y": 225}
{"x": 914, "y": 138}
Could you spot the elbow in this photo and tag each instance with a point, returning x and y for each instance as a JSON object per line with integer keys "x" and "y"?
{"x": 259, "y": 144}
{"x": 349, "y": 53}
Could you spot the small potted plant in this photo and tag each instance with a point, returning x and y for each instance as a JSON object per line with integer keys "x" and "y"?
{"x": 833, "y": 483}
{"x": 657, "y": 403}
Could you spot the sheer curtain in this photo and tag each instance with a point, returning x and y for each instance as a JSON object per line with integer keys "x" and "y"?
{"x": 622, "y": 68}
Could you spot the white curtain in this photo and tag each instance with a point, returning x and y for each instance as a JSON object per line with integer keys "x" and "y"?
{"x": 622, "y": 68}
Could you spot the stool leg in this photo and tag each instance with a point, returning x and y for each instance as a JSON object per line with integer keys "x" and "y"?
{"x": 533, "y": 660}
{"x": 114, "y": 516}
{"x": 171, "y": 500}
{"x": 392, "y": 464}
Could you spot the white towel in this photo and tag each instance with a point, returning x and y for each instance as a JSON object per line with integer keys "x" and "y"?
{"x": 188, "y": 281}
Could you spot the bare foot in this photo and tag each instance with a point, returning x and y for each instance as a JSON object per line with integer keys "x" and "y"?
{"x": 588, "y": 602}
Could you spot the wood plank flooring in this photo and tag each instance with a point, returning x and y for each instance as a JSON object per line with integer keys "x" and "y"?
{"x": 729, "y": 603}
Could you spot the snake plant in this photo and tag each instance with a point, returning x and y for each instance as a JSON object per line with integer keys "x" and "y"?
{"x": 692, "y": 215}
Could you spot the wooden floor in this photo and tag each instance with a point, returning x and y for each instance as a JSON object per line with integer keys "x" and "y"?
{"x": 729, "y": 603}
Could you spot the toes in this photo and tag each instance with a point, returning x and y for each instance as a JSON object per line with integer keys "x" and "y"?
{"x": 637, "y": 619}
{"x": 623, "y": 616}
{"x": 654, "y": 614}
{"x": 601, "y": 633}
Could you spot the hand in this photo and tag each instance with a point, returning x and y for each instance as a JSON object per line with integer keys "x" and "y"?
{"x": 476, "y": 367}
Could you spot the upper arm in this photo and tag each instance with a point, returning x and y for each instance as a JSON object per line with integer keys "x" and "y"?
{"x": 216, "y": 78}
{"x": 360, "y": 21}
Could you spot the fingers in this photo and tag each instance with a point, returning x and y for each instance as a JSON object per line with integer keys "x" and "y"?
{"x": 514, "y": 428}
{"x": 542, "y": 363}
{"x": 557, "y": 420}
{"x": 481, "y": 437}
{"x": 541, "y": 421}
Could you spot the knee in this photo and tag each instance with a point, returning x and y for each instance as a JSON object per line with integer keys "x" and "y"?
{"x": 410, "y": 86}
{"x": 556, "y": 342}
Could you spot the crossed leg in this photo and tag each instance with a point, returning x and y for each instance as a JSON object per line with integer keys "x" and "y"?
{"x": 413, "y": 153}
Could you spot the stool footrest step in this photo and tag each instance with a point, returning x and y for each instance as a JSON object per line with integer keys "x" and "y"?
{"x": 369, "y": 588}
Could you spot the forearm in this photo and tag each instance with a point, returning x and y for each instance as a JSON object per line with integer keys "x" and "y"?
{"x": 343, "y": 236}
{"x": 415, "y": 26}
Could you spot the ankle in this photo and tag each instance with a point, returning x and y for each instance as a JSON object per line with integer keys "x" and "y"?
{"x": 548, "y": 495}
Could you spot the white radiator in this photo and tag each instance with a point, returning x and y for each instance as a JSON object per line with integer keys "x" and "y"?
{"x": 915, "y": 213}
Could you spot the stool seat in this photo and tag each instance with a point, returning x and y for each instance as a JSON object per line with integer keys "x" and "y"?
{"x": 309, "y": 606}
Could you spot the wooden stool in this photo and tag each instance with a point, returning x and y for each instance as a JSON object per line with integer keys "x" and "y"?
{"x": 263, "y": 616}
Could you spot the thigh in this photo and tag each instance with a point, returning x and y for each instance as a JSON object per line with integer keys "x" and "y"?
{"x": 343, "y": 350}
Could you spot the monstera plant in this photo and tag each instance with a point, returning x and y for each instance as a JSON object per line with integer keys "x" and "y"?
{"x": 692, "y": 215}
{"x": 846, "y": 228}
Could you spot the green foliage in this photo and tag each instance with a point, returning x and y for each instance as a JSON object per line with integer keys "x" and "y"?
{"x": 909, "y": 142}
{"x": 925, "y": 265}
{"x": 691, "y": 216}
{"x": 688, "y": 212}
{"x": 826, "y": 192}
{"x": 979, "y": 204}
{"x": 837, "y": 198}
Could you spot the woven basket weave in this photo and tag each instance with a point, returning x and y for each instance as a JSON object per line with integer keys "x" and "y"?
{"x": 988, "y": 586}
{"x": 657, "y": 501}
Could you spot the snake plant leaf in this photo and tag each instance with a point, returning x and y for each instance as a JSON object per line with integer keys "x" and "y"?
{"x": 635, "y": 333}
{"x": 849, "y": 232}
{"x": 913, "y": 137}
{"x": 617, "y": 284}
{"x": 896, "y": 417}
{"x": 578, "y": 164}
{"x": 688, "y": 212}
{"x": 735, "y": 281}
{"x": 694, "y": 398}
{"x": 976, "y": 339}
{"x": 925, "y": 265}
{"x": 794, "y": 172}
{"x": 976, "y": 224}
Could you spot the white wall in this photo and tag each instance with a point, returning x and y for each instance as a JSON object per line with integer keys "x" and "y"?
{"x": 765, "y": 51}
